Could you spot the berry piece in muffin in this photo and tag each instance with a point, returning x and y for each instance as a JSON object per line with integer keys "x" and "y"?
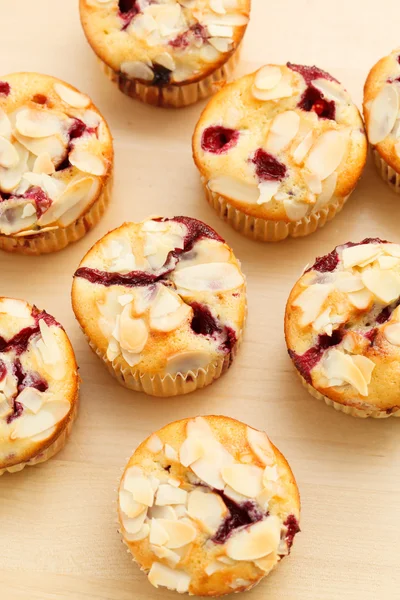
{"x": 382, "y": 117}
{"x": 38, "y": 385}
{"x": 342, "y": 328}
{"x": 56, "y": 161}
{"x": 166, "y": 53}
{"x": 163, "y": 303}
{"x": 208, "y": 506}
{"x": 279, "y": 151}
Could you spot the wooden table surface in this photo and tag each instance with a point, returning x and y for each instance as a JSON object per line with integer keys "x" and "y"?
{"x": 58, "y": 535}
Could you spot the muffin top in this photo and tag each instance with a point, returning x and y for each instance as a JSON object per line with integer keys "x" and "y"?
{"x": 164, "y": 41}
{"x": 166, "y": 295}
{"x": 342, "y": 325}
{"x": 281, "y": 143}
{"x": 382, "y": 108}
{"x": 208, "y": 506}
{"x": 38, "y": 381}
{"x": 55, "y": 154}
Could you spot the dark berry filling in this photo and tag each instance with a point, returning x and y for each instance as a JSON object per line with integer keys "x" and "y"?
{"x": 5, "y": 88}
{"x": 132, "y": 279}
{"x": 162, "y": 76}
{"x": 182, "y": 41}
{"x": 203, "y": 323}
{"x": 218, "y": 139}
{"x": 128, "y": 9}
{"x": 292, "y": 529}
{"x": 41, "y": 199}
{"x": 240, "y": 515}
{"x": 304, "y": 363}
{"x": 77, "y": 129}
{"x": 309, "y": 74}
{"x": 313, "y": 100}
{"x": 39, "y": 99}
{"x": 268, "y": 168}
{"x": 3, "y": 370}
{"x": 329, "y": 262}
{"x": 19, "y": 343}
{"x": 196, "y": 230}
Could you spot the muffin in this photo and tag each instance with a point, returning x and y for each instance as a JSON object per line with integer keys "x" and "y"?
{"x": 38, "y": 385}
{"x": 279, "y": 151}
{"x": 342, "y": 328}
{"x": 208, "y": 506}
{"x": 382, "y": 117}
{"x": 167, "y": 53}
{"x": 163, "y": 303}
{"x": 56, "y": 161}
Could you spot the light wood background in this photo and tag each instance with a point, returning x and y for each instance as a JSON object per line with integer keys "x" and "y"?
{"x": 58, "y": 537}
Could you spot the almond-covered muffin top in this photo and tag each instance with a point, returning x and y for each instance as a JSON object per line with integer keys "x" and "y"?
{"x": 164, "y": 41}
{"x": 166, "y": 295}
{"x": 38, "y": 381}
{"x": 382, "y": 108}
{"x": 56, "y": 154}
{"x": 208, "y": 506}
{"x": 342, "y": 325}
{"x": 281, "y": 143}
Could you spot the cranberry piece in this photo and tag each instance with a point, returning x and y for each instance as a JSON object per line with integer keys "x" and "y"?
{"x": 20, "y": 341}
{"x": 203, "y": 323}
{"x": 41, "y": 199}
{"x": 18, "y": 410}
{"x": 126, "y": 6}
{"x": 39, "y": 99}
{"x": 326, "y": 264}
{"x": 5, "y": 88}
{"x": 196, "y": 231}
{"x": 218, "y": 139}
{"x": 77, "y": 129}
{"x": 240, "y": 515}
{"x": 313, "y": 100}
{"x": 310, "y": 73}
{"x": 268, "y": 168}
{"x": 128, "y": 9}
{"x": 292, "y": 529}
{"x": 304, "y": 363}
{"x": 371, "y": 335}
{"x": 230, "y": 341}
{"x": 132, "y": 279}
{"x": 162, "y": 76}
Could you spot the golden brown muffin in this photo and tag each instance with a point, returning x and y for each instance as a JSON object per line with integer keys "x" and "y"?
{"x": 382, "y": 116}
{"x": 279, "y": 151}
{"x": 342, "y": 328}
{"x": 38, "y": 385}
{"x": 56, "y": 163}
{"x": 163, "y": 303}
{"x": 166, "y": 52}
{"x": 208, "y": 506}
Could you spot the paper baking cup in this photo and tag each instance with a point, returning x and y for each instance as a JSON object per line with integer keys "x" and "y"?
{"x": 49, "y": 452}
{"x": 362, "y": 413}
{"x": 173, "y": 96}
{"x": 57, "y": 239}
{"x": 263, "y": 230}
{"x": 387, "y": 173}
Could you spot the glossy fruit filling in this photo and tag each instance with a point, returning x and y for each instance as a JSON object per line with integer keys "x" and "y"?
{"x": 219, "y": 139}
{"x": 5, "y": 88}
{"x": 304, "y": 363}
{"x": 240, "y": 515}
{"x": 268, "y": 168}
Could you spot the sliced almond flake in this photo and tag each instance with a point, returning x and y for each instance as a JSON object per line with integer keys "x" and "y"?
{"x": 183, "y": 362}
{"x": 327, "y": 153}
{"x": 261, "y": 446}
{"x": 218, "y": 6}
{"x": 15, "y": 308}
{"x": 137, "y": 70}
{"x": 170, "y": 556}
{"x": 171, "y": 453}
{"x": 165, "y": 59}
{"x": 28, "y": 425}
{"x": 347, "y": 282}
{"x": 270, "y": 474}
{"x": 222, "y": 44}
{"x": 162, "y": 512}
{"x": 362, "y": 299}
{"x": 282, "y": 131}
{"x": 179, "y": 533}
{"x": 174, "y": 482}
{"x": 173, "y": 579}
{"x": 301, "y": 151}
{"x": 268, "y": 189}
{"x": 154, "y": 444}
{"x": 328, "y": 191}
{"x": 234, "y": 189}
{"x": 142, "y": 534}
{"x": 383, "y": 113}
{"x": 212, "y": 277}
{"x": 208, "y": 509}
{"x": 256, "y": 541}
{"x": 34, "y": 123}
{"x": 87, "y": 162}
{"x": 191, "y": 450}
{"x": 245, "y": 479}
{"x": 267, "y": 563}
{"x": 391, "y": 249}
{"x": 268, "y": 77}
{"x": 53, "y": 360}
{"x": 43, "y": 164}
{"x": 71, "y": 97}
{"x": 282, "y": 90}
{"x": 125, "y": 299}
{"x": 141, "y": 490}
{"x": 133, "y": 332}
{"x": 359, "y": 254}
{"x": 168, "y": 494}
{"x": 78, "y": 193}
{"x": 5, "y": 125}
{"x": 199, "y": 427}
{"x": 392, "y": 333}
{"x": 168, "y": 311}
{"x": 384, "y": 285}
{"x": 133, "y": 526}
{"x": 9, "y": 156}
{"x": 52, "y": 186}
{"x": 311, "y": 300}
{"x": 214, "y": 567}
{"x": 6, "y": 408}
{"x": 313, "y": 182}
{"x": 331, "y": 90}
{"x": 158, "y": 533}
{"x": 54, "y": 145}
{"x": 295, "y": 211}
{"x": 234, "y": 495}
{"x": 209, "y": 467}
{"x": 365, "y": 365}
{"x": 388, "y": 262}
{"x": 323, "y": 323}
{"x": 31, "y": 399}
{"x": 129, "y": 506}
{"x": 339, "y": 366}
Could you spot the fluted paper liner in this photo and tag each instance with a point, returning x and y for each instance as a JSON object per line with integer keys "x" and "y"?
{"x": 173, "y": 96}
{"x": 57, "y": 239}
{"x": 263, "y": 230}
{"x": 388, "y": 174}
{"x": 361, "y": 413}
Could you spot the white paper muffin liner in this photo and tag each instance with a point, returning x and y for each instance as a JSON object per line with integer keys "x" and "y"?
{"x": 263, "y": 230}
{"x": 173, "y": 96}
{"x": 362, "y": 413}
{"x": 388, "y": 174}
{"x": 49, "y": 452}
{"x": 57, "y": 239}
